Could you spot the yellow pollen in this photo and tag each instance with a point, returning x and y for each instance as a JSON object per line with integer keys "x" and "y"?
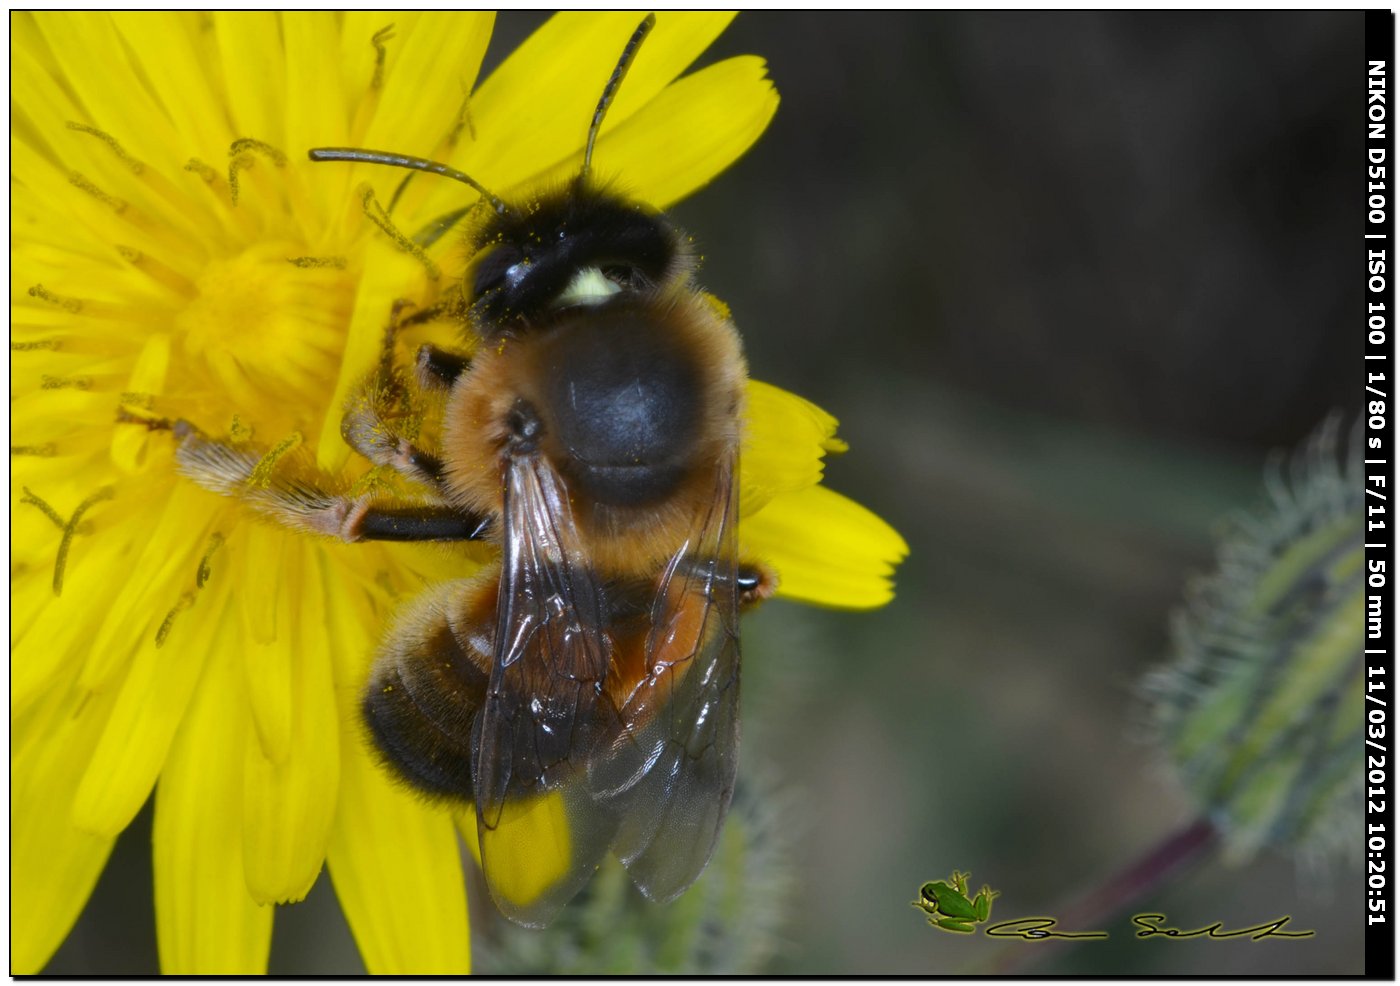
{"x": 261, "y": 476}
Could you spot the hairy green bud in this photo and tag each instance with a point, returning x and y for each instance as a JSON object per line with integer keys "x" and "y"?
{"x": 1261, "y": 709}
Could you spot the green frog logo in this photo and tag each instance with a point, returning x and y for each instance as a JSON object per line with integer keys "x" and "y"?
{"x": 948, "y": 905}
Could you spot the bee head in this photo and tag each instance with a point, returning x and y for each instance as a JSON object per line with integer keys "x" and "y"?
{"x": 573, "y": 250}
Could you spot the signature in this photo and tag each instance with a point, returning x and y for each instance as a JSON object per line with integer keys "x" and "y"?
{"x": 1040, "y": 929}
{"x": 1269, "y": 929}
{"x": 1034, "y": 929}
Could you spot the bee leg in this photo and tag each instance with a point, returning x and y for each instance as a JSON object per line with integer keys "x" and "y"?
{"x": 414, "y": 523}
{"x": 293, "y": 498}
{"x": 452, "y": 306}
{"x": 365, "y": 430}
{"x": 439, "y": 369}
{"x": 367, "y": 425}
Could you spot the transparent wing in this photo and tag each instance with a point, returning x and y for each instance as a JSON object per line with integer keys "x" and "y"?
{"x": 668, "y": 774}
{"x": 541, "y": 833}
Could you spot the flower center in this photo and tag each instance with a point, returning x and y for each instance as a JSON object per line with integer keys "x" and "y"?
{"x": 265, "y": 331}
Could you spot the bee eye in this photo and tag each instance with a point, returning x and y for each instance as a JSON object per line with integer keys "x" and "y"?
{"x": 494, "y": 268}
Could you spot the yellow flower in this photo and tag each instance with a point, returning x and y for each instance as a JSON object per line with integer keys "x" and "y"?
{"x": 174, "y": 254}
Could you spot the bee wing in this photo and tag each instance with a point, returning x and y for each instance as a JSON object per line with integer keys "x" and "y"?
{"x": 545, "y": 709}
{"x": 669, "y": 772}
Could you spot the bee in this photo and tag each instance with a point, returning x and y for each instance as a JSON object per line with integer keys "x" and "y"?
{"x": 593, "y": 433}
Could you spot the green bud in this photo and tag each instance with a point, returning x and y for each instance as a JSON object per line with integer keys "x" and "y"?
{"x": 1261, "y": 707}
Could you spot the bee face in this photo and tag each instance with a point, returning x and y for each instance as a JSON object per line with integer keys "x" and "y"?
{"x": 577, "y": 248}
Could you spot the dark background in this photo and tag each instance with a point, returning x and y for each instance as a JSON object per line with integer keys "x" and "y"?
{"x": 1066, "y": 279}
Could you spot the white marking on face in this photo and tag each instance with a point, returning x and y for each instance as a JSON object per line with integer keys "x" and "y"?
{"x": 588, "y": 287}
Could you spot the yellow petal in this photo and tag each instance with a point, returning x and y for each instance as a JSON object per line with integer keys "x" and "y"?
{"x": 95, "y": 65}
{"x": 162, "y": 572}
{"x": 41, "y": 107}
{"x": 63, "y": 628}
{"x": 691, "y": 132}
{"x": 535, "y": 109}
{"x": 206, "y": 922}
{"x": 398, "y": 873}
{"x": 315, "y": 112}
{"x": 826, "y": 549}
{"x": 25, "y": 36}
{"x": 785, "y": 438}
{"x": 175, "y": 54}
{"x": 531, "y": 848}
{"x": 268, "y": 617}
{"x": 250, "y": 51}
{"x": 679, "y": 141}
{"x": 430, "y": 67}
{"x": 31, "y": 589}
{"x": 392, "y": 856}
{"x": 288, "y": 807}
{"x": 53, "y": 863}
{"x": 148, "y": 710}
{"x": 85, "y": 218}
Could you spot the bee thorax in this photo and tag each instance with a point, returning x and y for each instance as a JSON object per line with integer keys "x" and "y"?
{"x": 625, "y": 400}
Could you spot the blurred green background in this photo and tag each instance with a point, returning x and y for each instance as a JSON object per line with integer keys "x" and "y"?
{"x": 1066, "y": 279}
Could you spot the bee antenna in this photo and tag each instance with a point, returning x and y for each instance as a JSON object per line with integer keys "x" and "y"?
{"x": 629, "y": 55}
{"x": 406, "y": 161}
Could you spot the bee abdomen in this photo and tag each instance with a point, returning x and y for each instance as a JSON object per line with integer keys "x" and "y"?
{"x": 423, "y": 698}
